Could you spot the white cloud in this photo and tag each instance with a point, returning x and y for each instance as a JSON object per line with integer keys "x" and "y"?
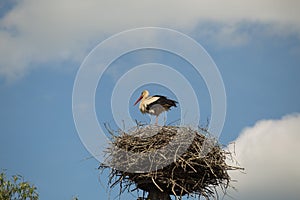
{"x": 38, "y": 31}
{"x": 269, "y": 151}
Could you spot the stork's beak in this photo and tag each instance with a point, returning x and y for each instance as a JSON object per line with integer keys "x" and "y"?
{"x": 138, "y": 100}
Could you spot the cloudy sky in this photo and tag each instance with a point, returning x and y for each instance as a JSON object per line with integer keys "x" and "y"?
{"x": 255, "y": 45}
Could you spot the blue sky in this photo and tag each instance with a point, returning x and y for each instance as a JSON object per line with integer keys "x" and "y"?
{"x": 256, "y": 47}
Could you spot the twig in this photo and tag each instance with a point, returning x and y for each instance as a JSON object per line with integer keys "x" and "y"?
{"x": 156, "y": 184}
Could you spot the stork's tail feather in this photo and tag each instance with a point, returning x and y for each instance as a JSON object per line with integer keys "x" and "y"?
{"x": 169, "y": 103}
{"x": 172, "y": 102}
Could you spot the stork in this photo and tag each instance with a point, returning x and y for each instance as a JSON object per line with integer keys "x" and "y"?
{"x": 154, "y": 105}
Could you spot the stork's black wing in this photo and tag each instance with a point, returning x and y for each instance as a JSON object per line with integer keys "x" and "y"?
{"x": 163, "y": 101}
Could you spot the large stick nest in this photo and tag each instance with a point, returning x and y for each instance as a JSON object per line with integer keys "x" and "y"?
{"x": 174, "y": 160}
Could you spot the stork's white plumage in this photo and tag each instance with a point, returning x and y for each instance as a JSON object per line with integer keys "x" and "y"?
{"x": 154, "y": 105}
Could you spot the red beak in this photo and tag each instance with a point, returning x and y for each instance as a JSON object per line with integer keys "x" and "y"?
{"x": 138, "y": 100}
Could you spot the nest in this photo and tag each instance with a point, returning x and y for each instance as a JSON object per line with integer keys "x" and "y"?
{"x": 169, "y": 160}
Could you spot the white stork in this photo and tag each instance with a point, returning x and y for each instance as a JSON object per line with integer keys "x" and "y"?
{"x": 154, "y": 105}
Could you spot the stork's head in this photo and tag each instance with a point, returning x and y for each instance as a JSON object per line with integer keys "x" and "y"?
{"x": 144, "y": 94}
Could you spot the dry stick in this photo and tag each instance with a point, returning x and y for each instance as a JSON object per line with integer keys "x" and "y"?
{"x": 188, "y": 164}
{"x": 117, "y": 181}
{"x": 173, "y": 189}
{"x": 156, "y": 184}
{"x": 175, "y": 156}
{"x": 176, "y": 184}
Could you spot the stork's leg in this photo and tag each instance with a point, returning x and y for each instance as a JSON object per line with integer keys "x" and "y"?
{"x": 156, "y": 119}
